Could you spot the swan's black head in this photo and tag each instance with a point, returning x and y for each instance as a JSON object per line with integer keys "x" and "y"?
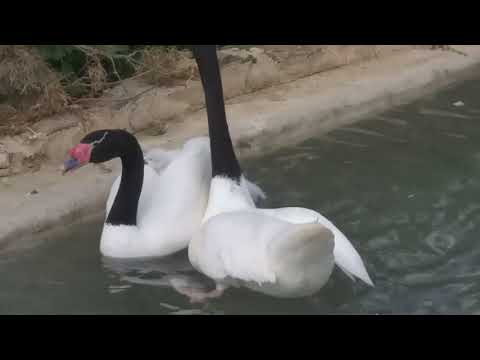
{"x": 100, "y": 146}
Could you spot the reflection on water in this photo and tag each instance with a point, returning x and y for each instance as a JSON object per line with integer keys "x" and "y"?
{"x": 403, "y": 186}
{"x": 156, "y": 272}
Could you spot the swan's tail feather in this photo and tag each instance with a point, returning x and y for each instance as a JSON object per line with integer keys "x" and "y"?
{"x": 350, "y": 276}
{"x": 349, "y": 261}
{"x": 346, "y": 257}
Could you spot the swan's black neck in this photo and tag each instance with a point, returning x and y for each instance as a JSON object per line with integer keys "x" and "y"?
{"x": 125, "y": 205}
{"x": 224, "y": 161}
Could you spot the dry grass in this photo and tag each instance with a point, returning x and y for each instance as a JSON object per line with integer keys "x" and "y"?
{"x": 29, "y": 88}
{"x": 167, "y": 66}
{"x": 97, "y": 76}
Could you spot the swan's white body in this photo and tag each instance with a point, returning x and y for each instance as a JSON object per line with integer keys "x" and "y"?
{"x": 286, "y": 252}
{"x": 171, "y": 206}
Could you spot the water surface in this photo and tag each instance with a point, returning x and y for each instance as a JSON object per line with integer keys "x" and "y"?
{"x": 403, "y": 186}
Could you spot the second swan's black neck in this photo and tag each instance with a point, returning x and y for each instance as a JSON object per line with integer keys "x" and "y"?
{"x": 224, "y": 161}
{"x": 125, "y": 205}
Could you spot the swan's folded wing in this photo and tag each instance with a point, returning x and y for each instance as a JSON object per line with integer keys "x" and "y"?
{"x": 251, "y": 246}
{"x": 292, "y": 215}
{"x": 346, "y": 256}
{"x": 234, "y": 245}
{"x": 159, "y": 159}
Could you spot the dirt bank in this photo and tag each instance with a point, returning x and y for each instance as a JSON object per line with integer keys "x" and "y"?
{"x": 136, "y": 105}
{"x": 273, "y": 100}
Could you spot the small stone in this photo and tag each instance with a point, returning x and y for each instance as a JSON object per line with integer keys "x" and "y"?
{"x": 459, "y": 103}
{"x": 4, "y": 160}
{"x": 33, "y": 192}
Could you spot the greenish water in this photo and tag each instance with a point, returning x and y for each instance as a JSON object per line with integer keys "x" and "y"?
{"x": 404, "y": 187}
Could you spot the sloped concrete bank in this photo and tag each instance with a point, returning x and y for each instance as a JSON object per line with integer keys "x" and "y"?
{"x": 260, "y": 122}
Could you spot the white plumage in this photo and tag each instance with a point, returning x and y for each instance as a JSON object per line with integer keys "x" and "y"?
{"x": 171, "y": 206}
{"x": 346, "y": 257}
{"x": 286, "y": 252}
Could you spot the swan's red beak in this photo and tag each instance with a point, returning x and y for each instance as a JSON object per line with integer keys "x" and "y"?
{"x": 79, "y": 156}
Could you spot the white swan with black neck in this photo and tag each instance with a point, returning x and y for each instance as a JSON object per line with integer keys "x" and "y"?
{"x": 286, "y": 252}
{"x": 157, "y": 202}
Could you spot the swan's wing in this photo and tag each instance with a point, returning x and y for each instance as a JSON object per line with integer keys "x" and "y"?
{"x": 232, "y": 245}
{"x": 253, "y": 247}
{"x": 293, "y": 215}
{"x": 346, "y": 257}
{"x": 159, "y": 159}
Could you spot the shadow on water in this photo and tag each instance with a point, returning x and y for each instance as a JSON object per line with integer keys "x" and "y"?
{"x": 402, "y": 186}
